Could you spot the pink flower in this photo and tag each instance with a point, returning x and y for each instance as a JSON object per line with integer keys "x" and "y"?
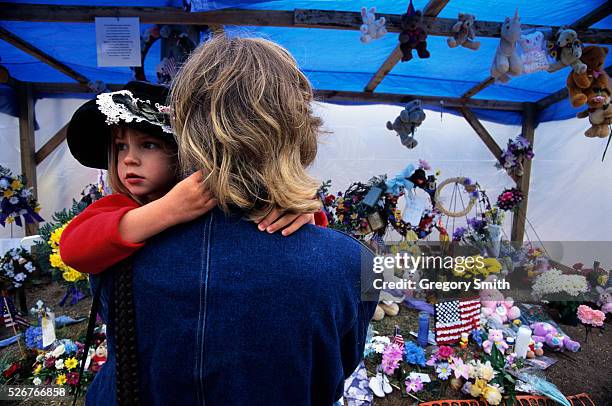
{"x": 591, "y": 317}
{"x": 460, "y": 368}
{"x": 391, "y": 358}
{"x": 445, "y": 352}
{"x": 414, "y": 385}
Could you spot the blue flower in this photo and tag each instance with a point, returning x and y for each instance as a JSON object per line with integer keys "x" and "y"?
{"x": 33, "y": 337}
{"x": 413, "y": 354}
{"x": 476, "y": 336}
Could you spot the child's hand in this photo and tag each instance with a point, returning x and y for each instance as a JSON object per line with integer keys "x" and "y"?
{"x": 189, "y": 199}
{"x": 274, "y": 222}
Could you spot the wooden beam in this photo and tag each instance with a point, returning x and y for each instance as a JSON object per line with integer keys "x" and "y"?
{"x": 25, "y": 105}
{"x": 478, "y": 87}
{"x": 484, "y": 135}
{"x": 332, "y": 96}
{"x": 325, "y": 19}
{"x": 40, "y": 55}
{"x": 518, "y": 222}
{"x": 594, "y": 16}
{"x": 432, "y": 9}
{"x": 559, "y": 95}
{"x": 51, "y": 145}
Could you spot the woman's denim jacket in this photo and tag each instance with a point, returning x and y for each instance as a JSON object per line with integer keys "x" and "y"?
{"x": 229, "y": 315}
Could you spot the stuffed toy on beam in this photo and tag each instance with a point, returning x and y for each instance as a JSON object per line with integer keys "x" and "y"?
{"x": 464, "y": 33}
{"x": 413, "y": 35}
{"x": 507, "y": 61}
{"x": 371, "y": 28}
{"x": 599, "y": 114}
{"x": 583, "y": 87}
{"x": 567, "y": 50}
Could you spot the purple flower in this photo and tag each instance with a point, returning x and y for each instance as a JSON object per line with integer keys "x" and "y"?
{"x": 414, "y": 385}
{"x": 458, "y": 233}
{"x": 391, "y": 358}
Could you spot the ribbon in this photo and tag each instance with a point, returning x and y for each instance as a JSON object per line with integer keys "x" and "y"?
{"x": 400, "y": 181}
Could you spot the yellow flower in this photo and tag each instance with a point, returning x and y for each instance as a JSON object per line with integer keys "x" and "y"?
{"x": 37, "y": 209}
{"x": 478, "y": 387}
{"x": 37, "y": 369}
{"x": 8, "y": 193}
{"x": 16, "y": 185}
{"x": 10, "y": 220}
{"x": 492, "y": 395}
{"x": 61, "y": 379}
{"x": 55, "y": 260}
{"x": 490, "y": 265}
{"x": 71, "y": 363}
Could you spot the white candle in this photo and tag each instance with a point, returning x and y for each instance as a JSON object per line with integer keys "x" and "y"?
{"x": 522, "y": 342}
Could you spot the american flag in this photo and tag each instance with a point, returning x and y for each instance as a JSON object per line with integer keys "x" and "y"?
{"x": 455, "y": 317}
{"x": 397, "y": 338}
{"x": 10, "y": 315}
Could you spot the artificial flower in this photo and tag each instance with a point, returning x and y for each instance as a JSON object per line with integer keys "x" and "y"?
{"x": 59, "y": 350}
{"x": 36, "y": 381}
{"x": 61, "y": 379}
{"x": 59, "y": 364}
{"x": 445, "y": 352}
{"x": 71, "y": 363}
{"x": 414, "y": 385}
{"x": 590, "y": 316}
{"x": 486, "y": 371}
{"x": 478, "y": 387}
{"x": 443, "y": 370}
{"x": 37, "y": 369}
{"x": 461, "y": 369}
{"x": 391, "y": 358}
{"x": 414, "y": 354}
{"x": 492, "y": 395}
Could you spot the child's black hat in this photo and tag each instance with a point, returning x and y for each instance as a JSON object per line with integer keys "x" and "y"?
{"x": 140, "y": 105}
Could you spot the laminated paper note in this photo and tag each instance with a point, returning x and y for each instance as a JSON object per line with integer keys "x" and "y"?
{"x": 118, "y": 41}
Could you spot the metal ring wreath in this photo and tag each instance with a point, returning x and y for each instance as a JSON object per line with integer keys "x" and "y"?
{"x": 467, "y": 183}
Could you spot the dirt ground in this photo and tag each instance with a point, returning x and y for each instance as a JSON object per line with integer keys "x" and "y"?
{"x": 588, "y": 371}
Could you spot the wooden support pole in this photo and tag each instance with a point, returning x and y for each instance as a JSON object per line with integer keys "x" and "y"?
{"x": 25, "y": 104}
{"x": 41, "y": 55}
{"x": 519, "y": 220}
{"x": 51, "y": 145}
{"x": 432, "y": 9}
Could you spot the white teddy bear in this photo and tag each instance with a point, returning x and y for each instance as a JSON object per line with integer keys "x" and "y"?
{"x": 371, "y": 28}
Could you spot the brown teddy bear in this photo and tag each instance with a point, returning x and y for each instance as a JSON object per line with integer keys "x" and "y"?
{"x": 582, "y": 87}
{"x": 413, "y": 36}
{"x": 464, "y": 33}
{"x": 599, "y": 114}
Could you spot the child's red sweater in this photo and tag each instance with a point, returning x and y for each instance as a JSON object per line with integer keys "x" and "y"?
{"x": 91, "y": 242}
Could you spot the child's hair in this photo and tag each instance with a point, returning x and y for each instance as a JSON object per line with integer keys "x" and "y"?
{"x": 113, "y": 176}
{"x": 241, "y": 111}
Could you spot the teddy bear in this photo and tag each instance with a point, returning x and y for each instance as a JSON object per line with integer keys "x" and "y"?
{"x": 495, "y": 308}
{"x": 413, "y": 36}
{"x": 507, "y": 61}
{"x": 533, "y": 52}
{"x": 463, "y": 33}
{"x": 605, "y": 299}
{"x": 99, "y": 357}
{"x": 408, "y": 120}
{"x": 545, "y": 333}
{"x": 371, "y": 28}
{"x": 582, "y": 87}
{"x": 495, "y": 337}
{"x": 567, "y": 50}
{"x": 599, "y": 114}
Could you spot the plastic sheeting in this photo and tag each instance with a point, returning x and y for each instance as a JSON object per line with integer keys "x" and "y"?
{"x": 332, "y": 59}
{"x": 569, "y": 191}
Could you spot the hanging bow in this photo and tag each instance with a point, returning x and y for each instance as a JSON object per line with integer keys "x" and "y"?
{"x": 395, "y": 185}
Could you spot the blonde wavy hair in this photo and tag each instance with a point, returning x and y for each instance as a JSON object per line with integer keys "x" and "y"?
{"x": 242, "y": 113}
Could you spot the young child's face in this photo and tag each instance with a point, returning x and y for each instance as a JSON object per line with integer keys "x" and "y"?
{"x": 143, "y": 165}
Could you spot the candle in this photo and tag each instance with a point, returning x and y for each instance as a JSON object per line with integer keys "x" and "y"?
{"x": 522, "y": 342}
{"x": 423, "y": 336}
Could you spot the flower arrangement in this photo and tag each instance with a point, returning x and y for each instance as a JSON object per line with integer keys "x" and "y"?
{"x": 590, "y": 318}
{"x": 554, "y": 282}
{"x": 484, "y": 268}
{"x": 17, "y": 201}
{"x": 510, "y": 199}
{"x": 517, "y": 151}
{"x": 16, "y": 266}
{"x": 69, "y": 274}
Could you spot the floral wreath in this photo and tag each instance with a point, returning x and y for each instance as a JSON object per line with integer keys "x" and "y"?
{"x": 16, "y": 266}
{"x": 17, "y": 200}
{"x": 122, "y": 105}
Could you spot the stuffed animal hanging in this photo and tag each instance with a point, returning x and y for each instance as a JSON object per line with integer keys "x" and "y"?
{"x": 413, "y": 36}
{"x": 507, "y": 62}
{"x": 409, "y": 119}
{"x": 583, "y": 87}
{"x": 533, "y": 52}
{"x": 463, "y": 33}
{"x": 566, "y": 49}
{"x": 371, "y": 28}
{"x": 599, "y": 114}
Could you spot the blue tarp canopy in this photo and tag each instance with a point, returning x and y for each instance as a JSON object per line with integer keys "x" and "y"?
{"x": 332, "y": 59}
